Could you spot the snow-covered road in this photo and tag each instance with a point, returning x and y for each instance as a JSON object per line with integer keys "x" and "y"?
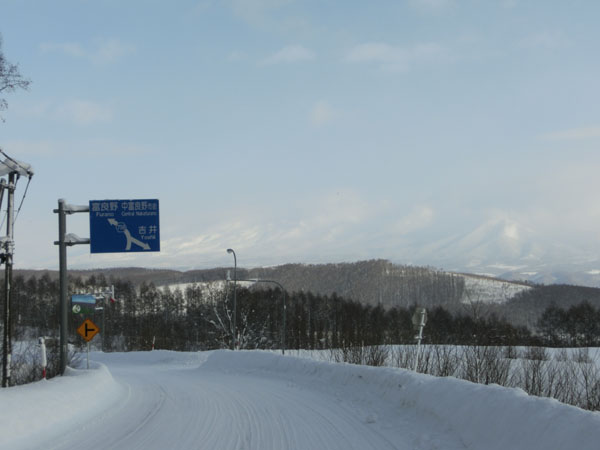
{"x": 176, "y": 404}
{"x": 227, "y": 400}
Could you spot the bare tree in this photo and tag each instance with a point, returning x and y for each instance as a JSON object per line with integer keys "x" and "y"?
{"x": 10, "y": 79}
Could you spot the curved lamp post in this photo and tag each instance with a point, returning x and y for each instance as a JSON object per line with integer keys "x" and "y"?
{"x": 234, "y": 341}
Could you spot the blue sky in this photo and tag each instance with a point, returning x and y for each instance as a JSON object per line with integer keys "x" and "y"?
{"x": 310, "y": 131}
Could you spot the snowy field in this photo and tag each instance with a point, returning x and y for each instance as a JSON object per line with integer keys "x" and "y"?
{"x": 261, "y": 400}
{"x": 490, "y": 290}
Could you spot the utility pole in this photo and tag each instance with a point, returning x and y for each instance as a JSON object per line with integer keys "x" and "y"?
{"x": 7, "y": 257}
{"x": 14, "y": 169}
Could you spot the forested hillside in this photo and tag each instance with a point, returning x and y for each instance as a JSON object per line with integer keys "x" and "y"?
{"x": 374, "y": 282}
{"x": 527, "y": 307}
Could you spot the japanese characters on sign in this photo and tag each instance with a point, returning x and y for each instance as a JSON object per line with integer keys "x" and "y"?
{"x": 120, "y": 226}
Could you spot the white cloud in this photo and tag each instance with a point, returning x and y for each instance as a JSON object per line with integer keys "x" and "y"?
{"x": 255, "y": 11}
{"x": 68, "y": 148}
{"x": 431, "y": 5}
{"x": 574, "y": 134}
{"x": 376, "y": 52}
{"x": 105, "y": 51}
{"x": 80, "y": 112}
{"x": 509, "y": 4}
{"x": 322, "y": 113}
{"x": 31, "y": 148}
{"x": 111, "y": 50}
{"x": 330, "y": 222}
{"x": 202, "y": 6}
{"x": 68, "y": 48}
{"x": 83, "y": 112}
{"x": 396, "y": 58}
{"x": 236, "y": 56}
{"x": 290, "y": 54}
{"x": 547, "y": 40}
{"x": 511, "y": 231}
{"x": 418, "y": 218}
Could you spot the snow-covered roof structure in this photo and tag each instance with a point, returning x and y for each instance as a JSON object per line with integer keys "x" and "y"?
{"x": 10, "y": 165}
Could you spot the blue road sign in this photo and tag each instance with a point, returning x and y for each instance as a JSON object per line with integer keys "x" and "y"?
{"x": 123, "y": 226}
{"x": 83, "y": 303}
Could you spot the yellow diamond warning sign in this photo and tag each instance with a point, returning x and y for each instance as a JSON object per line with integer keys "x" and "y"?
{"x": 88, "y": 330}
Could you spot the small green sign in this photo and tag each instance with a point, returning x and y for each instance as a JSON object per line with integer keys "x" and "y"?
{"x": 83, "y": 303}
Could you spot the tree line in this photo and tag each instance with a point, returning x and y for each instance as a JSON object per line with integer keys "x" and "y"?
{"x": 201, "y": 318}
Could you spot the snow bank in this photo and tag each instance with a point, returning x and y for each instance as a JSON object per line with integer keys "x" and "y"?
{"x": 486, "y": 417}
{"x": 32, "y": 413}
{"x": 156, "y": 358}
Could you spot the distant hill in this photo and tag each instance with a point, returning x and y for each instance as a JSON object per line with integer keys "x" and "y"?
{"x": 526, "y": 307}
{"x": 136, "y": 275}
{"x": 374, "y": 282}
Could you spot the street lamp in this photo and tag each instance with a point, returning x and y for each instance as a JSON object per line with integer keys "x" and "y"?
{"x": 234, "y": 342}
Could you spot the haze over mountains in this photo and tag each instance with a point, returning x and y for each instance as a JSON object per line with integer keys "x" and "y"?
{"x": 506, "y": 249}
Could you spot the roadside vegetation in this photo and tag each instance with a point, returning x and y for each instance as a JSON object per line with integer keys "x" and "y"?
{"x": 465, "y": 343}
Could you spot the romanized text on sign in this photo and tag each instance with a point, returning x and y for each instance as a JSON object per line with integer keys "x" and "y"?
{"x": 123, "y": 226}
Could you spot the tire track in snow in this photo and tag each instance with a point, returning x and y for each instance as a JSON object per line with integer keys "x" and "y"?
{"x": 268, "y": 414}
{"x": 179, "y": 407}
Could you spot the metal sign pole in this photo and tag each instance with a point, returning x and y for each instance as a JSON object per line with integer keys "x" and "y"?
{"x": 63, "y": 242}
{"x": 63, "y": 302}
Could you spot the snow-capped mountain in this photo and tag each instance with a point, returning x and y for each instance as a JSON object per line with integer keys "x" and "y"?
{"x": 506, "y": 249}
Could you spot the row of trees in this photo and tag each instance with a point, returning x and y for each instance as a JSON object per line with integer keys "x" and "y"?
{"x": 201, "y": 318}
{"x": 576, "y": 326}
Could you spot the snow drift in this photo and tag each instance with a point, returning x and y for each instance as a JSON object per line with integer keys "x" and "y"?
{"x": 486, "y": 417}
{"x": 29, "y": 413}
{"x": 480, "y": 417}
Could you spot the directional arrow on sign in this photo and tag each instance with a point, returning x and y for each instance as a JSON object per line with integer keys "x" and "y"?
{"x": 122, "y": 228}
{"x": 87, "y": 330}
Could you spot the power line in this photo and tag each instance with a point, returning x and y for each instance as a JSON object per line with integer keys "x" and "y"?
{"x": 22, "y": 199}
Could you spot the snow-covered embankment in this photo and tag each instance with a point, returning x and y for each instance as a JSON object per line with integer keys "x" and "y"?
{"x": 486, "y": 417}
{"x": 31, "y": 413}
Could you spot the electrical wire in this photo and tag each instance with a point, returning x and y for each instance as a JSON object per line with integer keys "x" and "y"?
{"x": 22, "y": 200}
{"x": 30, "y": 175}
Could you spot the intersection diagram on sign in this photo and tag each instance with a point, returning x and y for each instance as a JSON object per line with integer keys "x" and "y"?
{"x": 122, "y": 228}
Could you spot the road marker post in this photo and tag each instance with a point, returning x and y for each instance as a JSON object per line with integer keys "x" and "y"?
{"x": 419, "y": 319}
